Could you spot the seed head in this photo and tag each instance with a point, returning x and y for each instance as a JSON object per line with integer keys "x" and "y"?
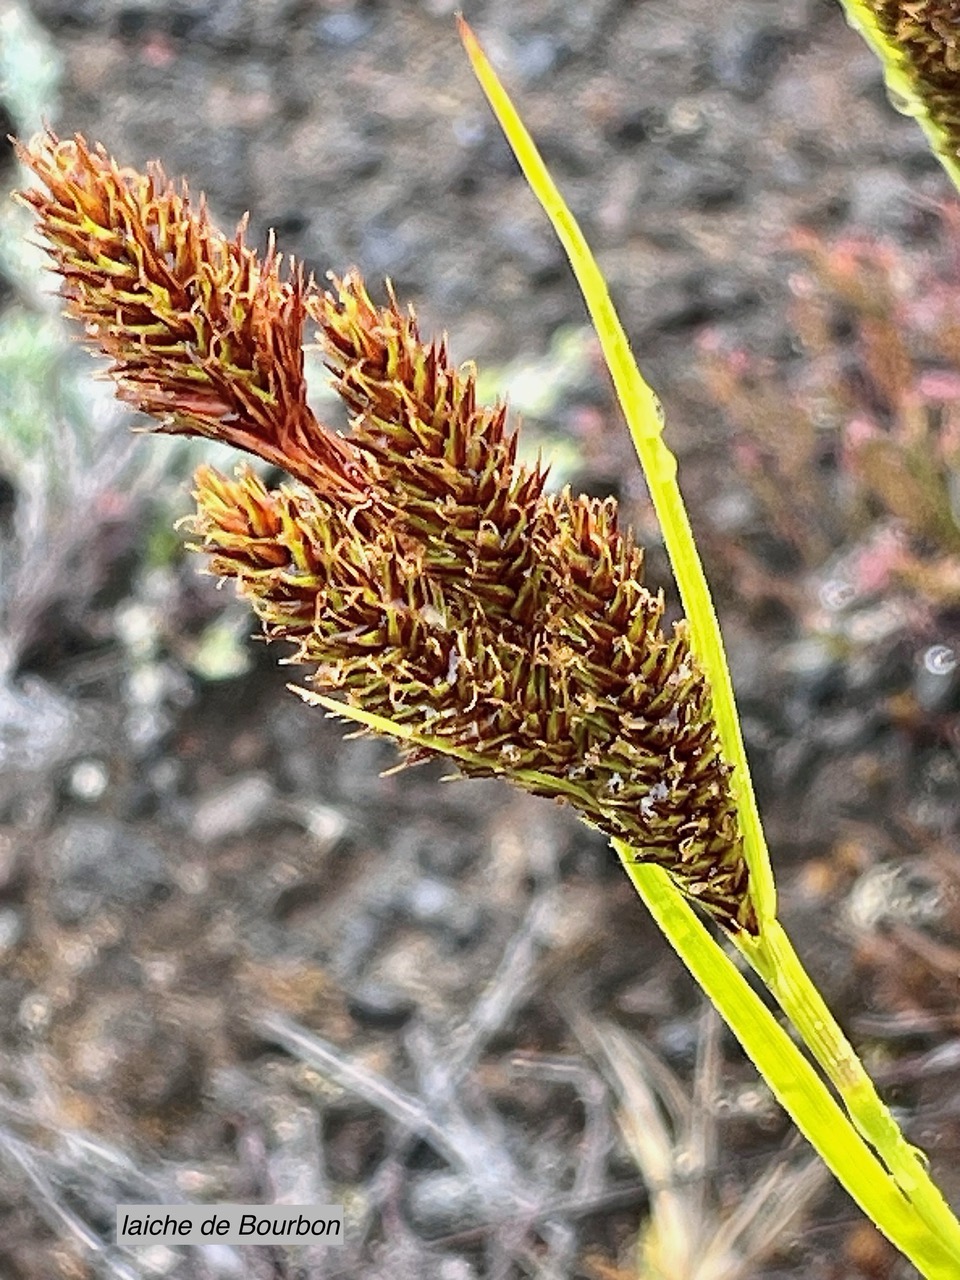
{"x": 204, "y": 337}
{"x": 421, "y": 571}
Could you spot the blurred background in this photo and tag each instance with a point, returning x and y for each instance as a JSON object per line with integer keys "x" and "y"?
{"x": 237, "y": 963}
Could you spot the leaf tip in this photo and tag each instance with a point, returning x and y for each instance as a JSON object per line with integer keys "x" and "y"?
{"x": 470, "y": 42}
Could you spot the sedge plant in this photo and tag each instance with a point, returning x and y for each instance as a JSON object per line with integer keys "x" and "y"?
{"x": 441, "y": 595}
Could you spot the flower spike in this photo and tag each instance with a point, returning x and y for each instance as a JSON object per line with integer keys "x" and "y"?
{"x": 421, "y": 571}
{"x": 204, "y": 337}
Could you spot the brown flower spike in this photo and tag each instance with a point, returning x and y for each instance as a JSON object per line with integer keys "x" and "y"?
{"x": 424, "y": 574}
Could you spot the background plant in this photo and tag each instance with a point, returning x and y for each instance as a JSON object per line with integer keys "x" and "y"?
{"x": 850, "y": 447}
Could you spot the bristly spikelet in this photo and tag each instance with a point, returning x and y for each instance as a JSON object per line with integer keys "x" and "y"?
{"x": 204, "y": 336}
{"x": 423, "y": 573}
{"x": 449, "y": 465}
{"x": 927, "y": 35}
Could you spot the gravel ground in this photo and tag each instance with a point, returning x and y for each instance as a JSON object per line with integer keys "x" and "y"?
{"x": 241, "y": 963}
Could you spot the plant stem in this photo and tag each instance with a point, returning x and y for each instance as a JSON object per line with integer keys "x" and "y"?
{"x": 906, "y": 1207}
{"x": 932, "y": 1248}
{"x": 775, "y": 960}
